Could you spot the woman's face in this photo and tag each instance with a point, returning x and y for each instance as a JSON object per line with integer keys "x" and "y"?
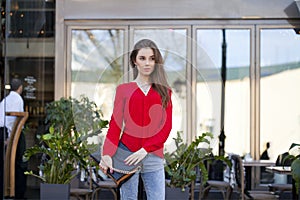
{"x": 145, "y": 61}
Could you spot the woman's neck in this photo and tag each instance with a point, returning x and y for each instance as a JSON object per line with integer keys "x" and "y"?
{"x": 142, "y": 80}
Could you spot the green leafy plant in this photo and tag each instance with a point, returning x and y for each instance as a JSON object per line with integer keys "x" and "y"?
{"x": 71, "y": 122}
{"x": 182, "y": 163}
{"x": 294, "y": 157}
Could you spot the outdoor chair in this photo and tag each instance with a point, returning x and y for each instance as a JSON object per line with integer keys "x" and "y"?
{"x": 105, "y": 185}
{"x": 10, "y": 155}
{"x": 80, "y": 190}
{"x": 219, "y": 184}
{"x": 215, "y": 181}
{"x": 89, "y": 183}
{"x": 239, "y": 176}
{"x": 100, "y": 181}
{"x": 280, "y": 188}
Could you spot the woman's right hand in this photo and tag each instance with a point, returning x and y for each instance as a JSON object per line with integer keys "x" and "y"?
{"x": 105, "y": 163}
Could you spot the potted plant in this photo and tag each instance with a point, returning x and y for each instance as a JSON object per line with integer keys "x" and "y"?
{"x": 294, "y": 157}
{"x": 71, "y": 122}
{"x": 181, "y": 165}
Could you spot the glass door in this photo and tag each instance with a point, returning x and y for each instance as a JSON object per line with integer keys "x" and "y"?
{"x": 97, "y": 65}
{"x": 223, "y": 101}
{"x": 99, "y": 62}
{"x": 279, "y": 96}
{"x": 173, "y": 44}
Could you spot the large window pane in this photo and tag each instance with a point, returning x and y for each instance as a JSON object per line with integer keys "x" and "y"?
{"x": 97, "y": 65}
{"x": 173, "y": 46}
{"x": 213, "y": 47}
{"x": 279, "y": 93}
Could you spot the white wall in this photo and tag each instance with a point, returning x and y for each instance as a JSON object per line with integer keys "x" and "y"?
{"x": 179, "y": 9}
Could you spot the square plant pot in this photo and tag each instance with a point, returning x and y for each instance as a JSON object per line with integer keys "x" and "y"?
{"x": 54, "y": 191}
{"x": 176, "y": 193}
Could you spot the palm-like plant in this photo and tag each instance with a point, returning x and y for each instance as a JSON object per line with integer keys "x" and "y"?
{"x": 71, "y": 122}
{"x": 182, "y": 163}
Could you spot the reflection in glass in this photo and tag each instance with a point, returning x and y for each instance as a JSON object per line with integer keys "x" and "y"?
{"x": 97, "y": 65}
{"x": 27, "y": 53}
{"x": 237, "y": 87}
{"x": 279, "y": 96}
{"x": 173, "y": 46}
{"x": 18, "y": 18}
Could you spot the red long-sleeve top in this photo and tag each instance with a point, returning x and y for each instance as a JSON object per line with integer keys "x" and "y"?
{"x": 145, "y": 123}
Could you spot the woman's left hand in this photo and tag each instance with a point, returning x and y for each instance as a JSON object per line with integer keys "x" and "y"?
{"x": 136, "y": 157}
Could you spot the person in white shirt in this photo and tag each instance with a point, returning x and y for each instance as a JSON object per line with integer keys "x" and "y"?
{"x": 12, "y": 103}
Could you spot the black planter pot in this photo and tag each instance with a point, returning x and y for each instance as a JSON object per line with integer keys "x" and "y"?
{"x": 54, "y": 191}
{"x": 177, "y": 194}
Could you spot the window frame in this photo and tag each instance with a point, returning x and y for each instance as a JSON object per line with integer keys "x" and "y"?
{"x": 62, "y": 74}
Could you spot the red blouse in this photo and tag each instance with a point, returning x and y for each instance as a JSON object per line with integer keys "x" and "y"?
{"x": 145, "y": 122}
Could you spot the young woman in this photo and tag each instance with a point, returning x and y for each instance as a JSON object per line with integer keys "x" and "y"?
{"x": 141, "y": 121}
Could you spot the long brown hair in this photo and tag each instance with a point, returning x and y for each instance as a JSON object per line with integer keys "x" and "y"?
{"x": 158, "y": 76}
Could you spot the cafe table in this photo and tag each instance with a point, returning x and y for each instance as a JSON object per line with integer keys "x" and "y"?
{"x": 258, "y": 163}
{"x": 284, "y": 170}
{"x": 279, "y": 169}
{"x": 251, "y": 167}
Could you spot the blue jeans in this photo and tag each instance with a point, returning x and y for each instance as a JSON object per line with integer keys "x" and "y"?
{"x": 154, "y": 184}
